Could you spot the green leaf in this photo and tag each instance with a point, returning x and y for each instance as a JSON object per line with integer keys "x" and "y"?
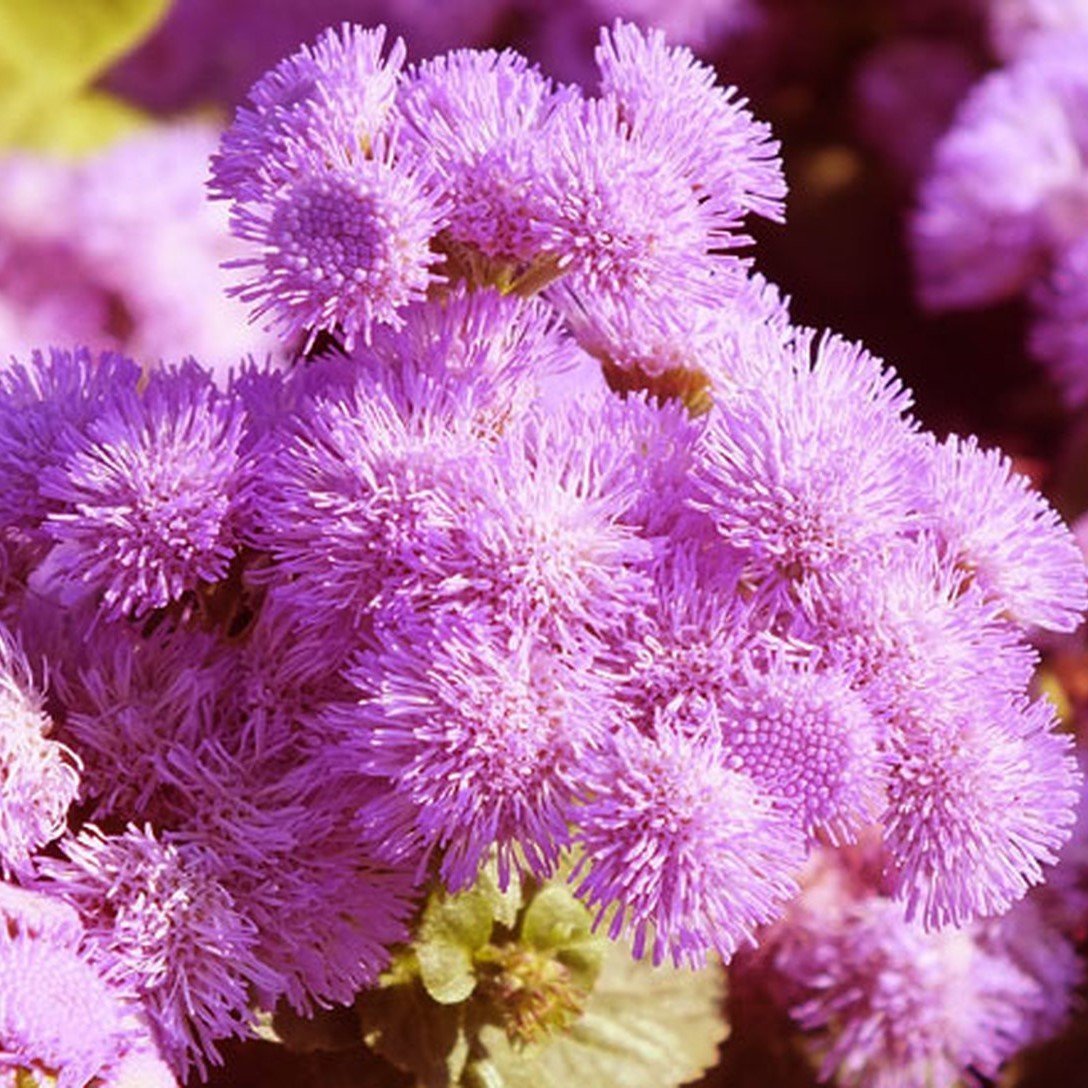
{"x": 643, "y": 1027}
{"x": 64, "y": 44}
{"x": 556, "y": 921}
{"x": 453, "y": 929}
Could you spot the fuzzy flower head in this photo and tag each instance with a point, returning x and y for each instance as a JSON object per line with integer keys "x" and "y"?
{"x": 41, "y": 401}
{"x": 40, "y": 776}
{"x": 160, "y": 925}
{"x": 993, "y": 525}
{"x": 342, "y": 247}
{"x": 58, "y": 1018}
{"x": 618, "y": 216}
{"x": 673, "y": 105}
{"x": 1008, "y": 189}
{"x": 805, "y": 471}
{"x": 472, "y": 117}
{"x": 335, "y": 97}
{"x": 806, "y": 737}
{"x": 886, "y": 1004}
{"x": 484, "y": 739}
{"x": 974, "y": 811}
{"x": 146, "y": 493}
{"x": 679, "y": 851}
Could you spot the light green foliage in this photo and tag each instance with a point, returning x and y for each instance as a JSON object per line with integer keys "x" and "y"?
{"x": 514, "y": 991}
{"x": 50, "y": 52}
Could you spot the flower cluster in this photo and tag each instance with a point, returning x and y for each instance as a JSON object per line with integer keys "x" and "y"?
{"x": 559, "y": 545}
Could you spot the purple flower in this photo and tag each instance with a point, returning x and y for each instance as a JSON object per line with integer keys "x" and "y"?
{"x": 619, "y": 216}
{"x": 672, "y": 104}
{"x": 975, "y": 807}
{"x": 40, "y": 776}
{"x": 1008, "y": 187}
{"x": 483, "y": 735}
{"x": 57, "y": 1015}
{"x": 359, "y": 493}
{"x": 161, "y": 926}
{"x": 36, "y": 916}
{"x": 808, "y": 738}
{"x": 40, "y": 402}
{"x": 885, "y": 1003}
{"x": 472, "y": 118}
{"x": 334, "y": 98}
{"x": 146, "y": 493}
{"x": 992, "y": 524}
{"x": 1059, "y": 334}
{"x": 1015, "y": 26}
{"x": 342, "y": 247}
{"x": 677, "y": 850}
{"x": 806, "y": 471}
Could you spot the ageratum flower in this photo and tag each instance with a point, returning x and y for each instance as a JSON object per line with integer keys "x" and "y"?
{"x": 885, "y": 1004}
{"x": 807, "y": 737}
{"x": 617, "y": 215}
{"x": 674, "y": 105}
{"x": 40, "y": 776}
{"x": 975, "y": 807}
{"x": 335, "y": 97}
{"x": 472, "y": 117}
{"x": 806, "y": 471}
{"x": 483, "y": 734}
{"x": 41, "y": 402}
{"x": 342, "y": 246}
{"x": 160, "y": 924}
{"x": 991, "y": 523}
{"x": 677, "y": 850}
{"x": 57, "y": 1015}
{"x": 1008, "y": 189}
{"x": 145, "y": 493}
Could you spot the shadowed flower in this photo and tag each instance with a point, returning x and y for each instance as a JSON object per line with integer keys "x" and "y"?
{"x": 161, "y": 926}
{"x": 40, "y": 776}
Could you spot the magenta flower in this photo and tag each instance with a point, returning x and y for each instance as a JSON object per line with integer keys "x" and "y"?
{"x": 483, "y": 736}
{"x": 57, "y": 1015}
{"x": 673, "y": 104}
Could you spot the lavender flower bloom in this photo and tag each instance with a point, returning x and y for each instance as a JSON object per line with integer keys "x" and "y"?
{"x": 807, "y": 737}
{"x": 334, "y": 98}
{"x": 160, "y": 925}
{"x": 57, "y": 1016}
{"x": 357, "y": 493}
{"x": 1008, "y": 185}
{"x": 672, "y": 104}
{"x": 344, "y": 245}
{"x": 40, "y": 402}
{"x": 1016, "y": 25}
{"x": 806, "y": 471}
{"x": 35, "y": 916}
{"x": 992, "y": 524}
{"x": 1059, "y": 334}
{"x": 617, "y": 214}
{"x": 483, "y": 736}
{"x": 40, "y": 776}
{"x": 146, "y": 493}
{"x": 679, "y": 851}
{"x": 974, "y": 808}
{"x": 885, "y": 1003}
{"x": 472, "y": 119}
